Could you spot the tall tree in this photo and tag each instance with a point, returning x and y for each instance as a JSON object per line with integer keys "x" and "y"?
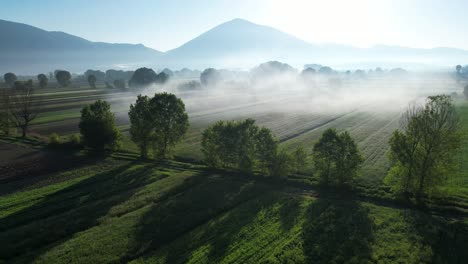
{"x": 63, "y": 78}
{"x": 142, "y": 126}
{"x": 97, "y": 127}
{"x": 43, "y": 80}
{"x": 422, "y": 152}
{"x": 92, "y": 81}
{"x": 160, "y": 121}
{"x": 23, "y": 107}
{"x": 10, "y": 78}
{"x": 336, "y": 158}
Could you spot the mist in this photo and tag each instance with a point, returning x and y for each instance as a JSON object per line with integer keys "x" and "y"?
{"x": 286, "y": 92}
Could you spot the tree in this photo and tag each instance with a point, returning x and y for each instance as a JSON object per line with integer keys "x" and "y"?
{"x": 160, "y": 122}
{"x": 23, "y": 108}
{"x": 43, "y": 80}
{"x": 423, "y": 152}
{"x": 231, "y": 144}
{"x": 63, "y": 78}
{"x": 97, "y": 127}
{"x": 6, "y": 121}
{"x": 210, "y": 77}
{"x": 142, "y": 127}
{"x": 244, "y": 146}
{"x": 336, "y": 158}
{"x": 119, "y": 84}
{"x": 92, "y": 81}
{"x": 465, "y": 92}
{"x": 299, "y": 158}
{"x": 458, "y": 68}
{"x": 144, "y": 77}
{"x": 10, "y": 78}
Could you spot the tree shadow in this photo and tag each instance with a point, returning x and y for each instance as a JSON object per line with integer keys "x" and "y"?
{"x": 447, "y": 238}
{"x": 337, "y": 231}
{"x": 212, "y": 199}
{"x": 58, "y": 216}
{"x": 289, "y": 213}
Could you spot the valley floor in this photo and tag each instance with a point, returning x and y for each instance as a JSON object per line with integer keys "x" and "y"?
{"x": 121, "y": 210}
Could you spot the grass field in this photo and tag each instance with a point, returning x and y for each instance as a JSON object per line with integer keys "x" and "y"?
{"x": 118, "y": 209}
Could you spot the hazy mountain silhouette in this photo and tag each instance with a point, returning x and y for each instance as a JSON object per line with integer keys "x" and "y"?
{"x": 235, "y": 44}
{"x": 27, "y": 49}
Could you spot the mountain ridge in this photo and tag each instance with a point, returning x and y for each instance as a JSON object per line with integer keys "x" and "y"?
{"x": 236, "y": 43}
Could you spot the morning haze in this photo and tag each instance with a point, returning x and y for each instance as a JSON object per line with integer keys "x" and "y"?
{"x": 233, "y": 131}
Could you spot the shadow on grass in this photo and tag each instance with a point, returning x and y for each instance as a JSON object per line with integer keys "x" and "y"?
{"x": 60, "y": 215}
{"x": 171, "y": 223}
{"x": 447, "y": 239}
{"x": 337, "y": 231}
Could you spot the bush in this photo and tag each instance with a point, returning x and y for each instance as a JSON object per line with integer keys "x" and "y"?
{"x": 54, "y": 139}
{"x": 74, "y": 140}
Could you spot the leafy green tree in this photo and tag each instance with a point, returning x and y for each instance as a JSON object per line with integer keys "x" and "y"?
{"x": 142, "y": 126}
{"x": 97, "y": 127}
{"x": 244, "y": 146}
{"x": 422, "y": 153}
{"x": 10, "y": 78}
{"x": 63, "y": 78}
{"x": 170, "y": 122}
{"x": 231, "y": 144}
{"x": 336, "y": 158}
{"x": 266, "y": 148}
{"x": 43, "y": 80}
{"x": 465, "y": 92}
{"x": 282, "y": 164}
{"x": 299, "y": 159}
{"x": 92, "y": 81}
{"x": 160, "y": 122}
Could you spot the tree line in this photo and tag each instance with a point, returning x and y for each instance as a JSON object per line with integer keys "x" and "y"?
{"x": 421, "y": 152}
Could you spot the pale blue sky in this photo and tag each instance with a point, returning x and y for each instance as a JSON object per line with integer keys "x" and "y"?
{"x": 167, "y": 24}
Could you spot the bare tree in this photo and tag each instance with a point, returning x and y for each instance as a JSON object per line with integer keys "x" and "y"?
{"x": 23, "y": 107}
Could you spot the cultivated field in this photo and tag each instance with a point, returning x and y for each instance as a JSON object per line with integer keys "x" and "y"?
{"x": 119, "y": 209}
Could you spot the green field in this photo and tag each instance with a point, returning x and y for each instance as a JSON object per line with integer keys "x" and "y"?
{"x": 118, "y": 209}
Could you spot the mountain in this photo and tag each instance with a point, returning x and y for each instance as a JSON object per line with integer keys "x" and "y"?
{"x": 25, "y": 49}
{"x": 240, "y": 43}
{"x": 234, "y": 44}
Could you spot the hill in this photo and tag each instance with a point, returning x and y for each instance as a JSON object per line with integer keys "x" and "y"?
{"x": 25, "y": 49}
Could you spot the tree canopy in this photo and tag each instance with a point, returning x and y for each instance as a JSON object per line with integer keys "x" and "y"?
{"x": 143, "y": 77}
{"x": 244, "y": 146}
{"x": 63, "y": 78}
{"x": 97, "y": 127}
{"x": 422, "y": 152}
{"x": 43, "y": 80}
{"x": 158, "y": 122}
{"x": 92, "y": 81}
{"x": 10, "y": 78}
{"x": 336, "y": 158}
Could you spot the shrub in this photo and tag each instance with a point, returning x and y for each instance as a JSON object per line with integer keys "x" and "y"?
{"x": 54, "y": 140}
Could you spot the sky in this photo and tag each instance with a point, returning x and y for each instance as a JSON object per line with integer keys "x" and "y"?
{"x": 167, "y": 24}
